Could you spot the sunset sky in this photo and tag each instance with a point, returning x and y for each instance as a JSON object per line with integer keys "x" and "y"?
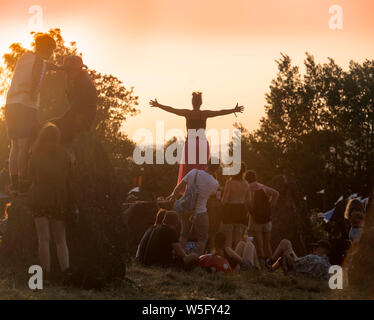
{"x": 168, "y": 48}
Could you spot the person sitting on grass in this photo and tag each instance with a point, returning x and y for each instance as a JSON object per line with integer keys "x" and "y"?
{"x": 49, "y": 196}
{"x": 143, "y": 245}
{"x": 164, "y": 248}
{"x": 315, "y": 265}
{"x": 244, "y": 256}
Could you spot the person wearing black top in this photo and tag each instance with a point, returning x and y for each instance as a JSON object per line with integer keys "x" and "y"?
{"x": 143, "y": 245}
{"x": 82, "y": 97}
{"x": 195, "y": 120}
{"x": 164, "y": 248}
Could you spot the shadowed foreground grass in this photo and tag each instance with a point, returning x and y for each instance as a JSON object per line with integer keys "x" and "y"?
{"x": 155, "y": 283}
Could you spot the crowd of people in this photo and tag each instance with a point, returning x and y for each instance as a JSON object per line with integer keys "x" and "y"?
{"x": 243, "y": 241}
{"x": 40, "y": 173}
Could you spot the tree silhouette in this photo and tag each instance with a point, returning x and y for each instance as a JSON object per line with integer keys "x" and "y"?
{"x": 319, "y": 127}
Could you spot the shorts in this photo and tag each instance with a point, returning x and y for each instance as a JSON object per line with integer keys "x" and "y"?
{"x": 235, "y": 213}
{"x": 266, "y": 227}
{"x": 22, "y": 121}
{"x": 198, "y": 230}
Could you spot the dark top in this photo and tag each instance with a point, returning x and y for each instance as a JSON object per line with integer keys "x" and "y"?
{"x": 49, "y": 190}
{"x": 143, "y": 245}
{"x": 160, "y": 249}
{"x": 196, "y": 123}
{"x": 82, "y": 96}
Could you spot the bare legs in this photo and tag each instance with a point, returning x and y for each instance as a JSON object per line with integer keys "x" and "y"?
{"x": 233, "y": 234}
{"x": 247, "y": 251}
{"x": 18, "y": 158}
{"x": 262, "y": 244}
{"x": 267, "y": 245}
{"x": 13, "y": 158}
{"x": 237, "y": 235}
{"x": 259, "y": 243}
{"x": 284, "y": 249}
{"x": 42, "y": 230}
{"x": 59, "y": 235}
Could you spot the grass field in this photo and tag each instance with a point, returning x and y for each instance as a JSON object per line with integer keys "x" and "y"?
{"x": 154, "y": 283}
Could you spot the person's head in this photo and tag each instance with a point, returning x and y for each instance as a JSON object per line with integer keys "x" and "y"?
{"x": 240, "y": 175}
{"x": 251, "y": 176}
{"x": 48, "y": 139}
{"x": 219, "y": 241}
{"x": 44, "y": 46}
{"x": 73, "y": 66}
{"x": 171, "y": 220}
{"x": 197, "y": 100}
{"x": 353, "y": 205}
{"x": 160, "y": 216}
{"x": 213, "y": 165}
{"x": 322, "y": 247}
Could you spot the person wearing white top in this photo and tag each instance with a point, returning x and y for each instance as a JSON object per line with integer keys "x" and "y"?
{"x": 206, "y": 186}
{"x": 22, "y": 104}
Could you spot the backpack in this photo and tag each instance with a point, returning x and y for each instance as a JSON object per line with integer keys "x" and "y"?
{"x": 187, "y": 204}
{"x": 261, "y": 212}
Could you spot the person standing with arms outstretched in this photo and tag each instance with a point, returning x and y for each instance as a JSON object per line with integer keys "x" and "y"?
{"x": 22, "y": 107}
{"x": 195, "y": 120}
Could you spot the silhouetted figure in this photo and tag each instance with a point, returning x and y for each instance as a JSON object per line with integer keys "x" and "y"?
{"x": 22, "y": 107}
{"x": 49, "y": 196}
{"x": 82, "y": 96}
{"x": 195, "y": 120}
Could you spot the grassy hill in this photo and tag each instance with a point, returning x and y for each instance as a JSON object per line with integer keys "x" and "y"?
{"x": 154, "y": 283}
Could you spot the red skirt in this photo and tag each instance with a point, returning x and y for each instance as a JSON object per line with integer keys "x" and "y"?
{"x": 192, "y": 160}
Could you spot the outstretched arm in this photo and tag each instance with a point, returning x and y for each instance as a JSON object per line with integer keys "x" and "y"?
{"x": 211, "y": 114}
{"x": 179, "y": 112}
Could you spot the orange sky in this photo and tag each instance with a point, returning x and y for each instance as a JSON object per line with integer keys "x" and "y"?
{"x": 169, "y": 48}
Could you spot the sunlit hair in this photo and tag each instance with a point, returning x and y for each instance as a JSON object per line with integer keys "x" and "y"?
{"x": 251, "y": 176}
{"x": 197, "y": 99}
{"x": 353, "y": 205}
{"x": 44, "y": 41}
{"x": 48, "y": 139}
{"x": 241, "y": 174}
{"x": 160, "y": 216}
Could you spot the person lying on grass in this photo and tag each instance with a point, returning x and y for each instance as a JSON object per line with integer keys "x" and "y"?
{"x": 315, "y": 265}
{"x": 241, "y": 259}
{"x": 164, "y": 248}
